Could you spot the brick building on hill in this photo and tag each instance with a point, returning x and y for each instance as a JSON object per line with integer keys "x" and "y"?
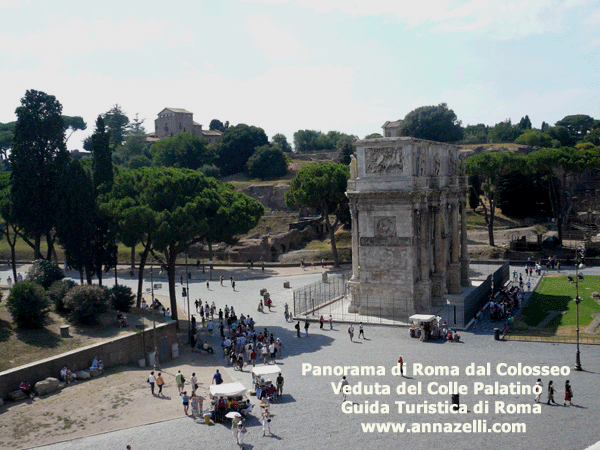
{"x": 171, "y": 121}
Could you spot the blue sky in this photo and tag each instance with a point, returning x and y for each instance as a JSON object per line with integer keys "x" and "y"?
{"x": 285, "y": 65}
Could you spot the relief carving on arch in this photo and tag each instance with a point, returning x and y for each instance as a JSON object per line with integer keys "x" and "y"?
{"x": 384, "y": 160}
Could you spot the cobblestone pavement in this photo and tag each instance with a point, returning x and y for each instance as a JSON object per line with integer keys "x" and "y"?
{"x": 310, "y": 416}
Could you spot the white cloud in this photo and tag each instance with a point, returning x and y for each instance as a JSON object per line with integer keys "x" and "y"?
{"x": 275, "y": 40}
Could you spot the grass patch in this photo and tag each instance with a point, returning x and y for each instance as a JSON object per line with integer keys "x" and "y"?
{"x": 476, "y": 220}
{"x": 555, "y": 293}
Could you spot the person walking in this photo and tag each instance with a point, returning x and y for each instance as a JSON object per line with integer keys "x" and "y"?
{"x": 401, "y": 362}
{"x": 194, "y": 382}
{"x": 321, "y": 322}
{"x": 551, "y": 392}
{"x": 361, "y": 331}
{"x": 186, "y": 402}
{"x": 151, "y": 380}
{"x": 180, "y": 380}
{"x": 160, "y": 382}
{"x": 540, "y": 387}
{"x": 280, "y": 382}
{"x": 351, "y": 332}
{"x": 344, "y": 384}
{"x": 568, "y": 394}
{"x": 266, "y": 421}
{"x": 241, "y": 434}
{"x": 297, "y": 326}
{"x": 306, "y": 325}
{"x": 330, "y": 322}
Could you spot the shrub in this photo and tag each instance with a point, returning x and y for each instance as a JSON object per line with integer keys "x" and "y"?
{"x": 121, "y": 297}
{"x": 267, "y": 162}
{"x": 85, "y": 303}
{"x": 28, "y": 305}
{"x": 210, "y": 171}
{"x": 57, "y": 293}
{"x": 44, "y": 273}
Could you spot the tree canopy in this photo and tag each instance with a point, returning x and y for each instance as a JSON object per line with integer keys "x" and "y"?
{"x": 281, "y": 141}
{"x": 176, "y": 208}
{"x": 183, "y": 150}
{"x": 116, "y": 122}
{"x": 38, "y": 155}
{"x": 322, "y": 186}
{"x": 237, "y": 145}
{"x": 312, "y": 140}
{"x": 268, "y": 161}
{"x": 436, "y": 123}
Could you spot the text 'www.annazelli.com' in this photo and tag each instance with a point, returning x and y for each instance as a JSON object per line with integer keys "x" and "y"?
{"x": 476, "y": 426}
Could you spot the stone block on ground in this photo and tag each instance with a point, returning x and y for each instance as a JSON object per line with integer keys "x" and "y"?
{"x": 83, "y": 375}
{"x": 286, "y": 284}
{"x": 94, "y": 372}
{"x": 1, "y": 402}
{"x": 17, "y": 395}
{"x": 46, "y": 386}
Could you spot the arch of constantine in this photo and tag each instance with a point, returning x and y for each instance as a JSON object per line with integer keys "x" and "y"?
{"x": 408, "y": 200}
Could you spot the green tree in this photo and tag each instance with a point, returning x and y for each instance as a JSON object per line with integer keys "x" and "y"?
{"x": 44, "y": 273}
{"x": 490, "y": 167}
{"x": 116, "y": 121}
{"x": 578, "y": 125}
{"x": 534, "y": 138}
{"x": 75, "y": 212}
{"x": 436, "y": 123}
{"x": 38, "y": 155}
{"x": 322, "y": 186}
{"x": 476, "y": 134}
{"x": 346, "y": 148}
{"x": 561, "y": 169}
{"x": 7, "y": 133}
{"x": 28, "y": 305}
{"x": 9, "y": 227}
{"x": 57, "y": 293}
{"x": 593, "y": 137}
{"x": 74, "y": 123}
{"x": 504, "y": 132}
{"x": 101, "y": 158}
{"x": 511, "y": 188}
{"x": 183, "y": 150}
{"x": 135, "y": 147}
{"x": 267, "y": 162}
{"x": 217, "y": 125}
{"x": 374, "y": 136}
{"x": 474, "y": 191}
{"x": 121, "y": 298}
{"x": 178, "y": 208}
{"x": 280, "y": 141}
{"x": 524, "y": 123}
{"x": 86, "y": 303}
{"x": 563, "y": 136}
{"x": 237, "y": 145}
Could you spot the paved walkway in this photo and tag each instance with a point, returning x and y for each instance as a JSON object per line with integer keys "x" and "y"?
{"x": 309, "y": 416}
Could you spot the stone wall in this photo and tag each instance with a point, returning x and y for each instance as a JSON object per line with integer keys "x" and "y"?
{"x": 115, "y": 352}
{"x": 269, "y": 195}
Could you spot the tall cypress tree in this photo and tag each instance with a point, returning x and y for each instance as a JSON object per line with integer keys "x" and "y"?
{"x": 38, "y": 155}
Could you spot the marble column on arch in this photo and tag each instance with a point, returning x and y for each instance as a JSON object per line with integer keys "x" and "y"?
{"x": 454, "y": 266}
{"x": 464, "y": 249}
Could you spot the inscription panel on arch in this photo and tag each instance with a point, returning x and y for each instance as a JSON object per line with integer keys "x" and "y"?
{"x": 385, "y": 241}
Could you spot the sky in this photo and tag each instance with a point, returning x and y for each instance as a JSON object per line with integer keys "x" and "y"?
{"x": 288, "y": 65}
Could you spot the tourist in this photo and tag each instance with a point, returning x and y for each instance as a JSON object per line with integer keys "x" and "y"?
{"x": 361, "y": 331}
{"x": 160, "y": 382}
{"x": 321, "y": 322}
{"x": 330, "y": 322}
{"x": 401, "y": 363}
{"x": 217, "y": 378}
{"x": 180, "y": 380}
{"x": 551, "y": 391}
{"x": 568, "y": 393}
{"x": 185, "y": 401}
{"x": 266, "y": 421}
{"x": 297, "y": 326}
{"x": 241, "y": 434}
{"x": 25, "y": 388}
{"x": 306, "y": 325}
{"x": 194, "y": 404}
{"x": 280, "y": 384}
{"x": 540, "y": 387}
{"x": 194, "y": 382}
{"x": 344, "y": 384}
{"x": 351, "y": 332}
{"x": 151, "y": 380}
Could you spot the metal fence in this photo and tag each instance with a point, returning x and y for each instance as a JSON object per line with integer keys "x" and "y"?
{"x": 313, "y": 296}
{"x": 332, "y": 297}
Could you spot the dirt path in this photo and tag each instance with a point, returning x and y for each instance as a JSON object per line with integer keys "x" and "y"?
{"x": 119, "y": 399}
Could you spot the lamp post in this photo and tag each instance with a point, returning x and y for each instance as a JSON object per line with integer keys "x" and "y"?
{"x": 579, "y": 253}
{"x": 156, "y": 365}
{"x": 187, "y": 294}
